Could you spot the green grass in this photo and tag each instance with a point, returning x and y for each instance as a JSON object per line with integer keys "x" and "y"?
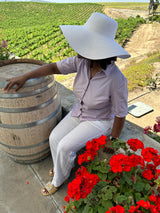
{"x": 154, "y": 18}
{"x": 140, "y": 74}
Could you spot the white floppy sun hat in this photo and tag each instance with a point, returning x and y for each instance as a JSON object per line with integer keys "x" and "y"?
{"x": 96, "y": 38}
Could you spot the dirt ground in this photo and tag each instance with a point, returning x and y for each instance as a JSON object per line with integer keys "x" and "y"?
{"x": 124, "y": 13}
{"x": 146, "y": 39}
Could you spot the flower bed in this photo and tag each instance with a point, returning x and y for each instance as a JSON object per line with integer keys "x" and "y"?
{"x": 124, "y": 183}
{"x": 154, "y": 132}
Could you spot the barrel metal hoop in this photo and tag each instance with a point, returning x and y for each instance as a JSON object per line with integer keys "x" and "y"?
{"x": 28, "y": 156}
{"x": 28, "y": 125}
{"x": 27, "y": 94}
{"x": 30, "y": 82}
{"x": 29, "y": 109}
{"x": 30, "y": 161}
{"x": 25, "y": 147}
{"x": 21, "y": 60}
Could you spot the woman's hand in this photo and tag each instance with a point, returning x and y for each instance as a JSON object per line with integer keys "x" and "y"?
{"x": 108, "y": 148}
{"x": 19, "y": 81}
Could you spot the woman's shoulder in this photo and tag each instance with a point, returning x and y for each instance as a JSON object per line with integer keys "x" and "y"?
{"x": 115, "y": 72}
{"x": 73, "y": 59}
{"x": 116, "y": 76}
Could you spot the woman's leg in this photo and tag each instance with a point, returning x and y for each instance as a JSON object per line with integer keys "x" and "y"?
{"x": 63, "y": 128}
{"x": 73, "y": 142}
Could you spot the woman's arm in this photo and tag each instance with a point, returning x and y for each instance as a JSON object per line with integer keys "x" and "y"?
{"x": 45, "y": 70}
{"x": 116, "y": 131}
{"x": 117, "y": 127}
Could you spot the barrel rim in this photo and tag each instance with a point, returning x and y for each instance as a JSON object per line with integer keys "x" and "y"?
{"x": 30, "y": 82}
{"x": 21, "y": 60}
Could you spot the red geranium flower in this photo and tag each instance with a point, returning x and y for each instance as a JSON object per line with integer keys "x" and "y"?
{"x": 157, "y": 174}
{"x": 123, "y": 162}
{"x": 92, "y": 148}
{"x": 116, "y": 209}
{"x": 66, "y": 198}
{"x": 133, "y": 209}
{"x": 136, "y": 160}
{"x": 116, "y": 162}
{"x": 154, "y": 209}
{"x": 135, "y": 144}
{"x": 156, "y": 160}
{"x": 83, "y": 184}
{"x": 101, "y": 140}
{"x": 149, "y": 154}
{"x": 144, "y": 204}
{"x": 152, "y": 198}
{"x": 146, "y": 129}
{"x": 158, "y": 119}
{"x": 147, "y": 174}
{"x": 156, "y": 128}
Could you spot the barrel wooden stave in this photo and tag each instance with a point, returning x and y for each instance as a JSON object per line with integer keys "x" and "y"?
{"x": 30, "y": 101}
{"x": 15, "y": 118}
{"x": 25, "y": 146}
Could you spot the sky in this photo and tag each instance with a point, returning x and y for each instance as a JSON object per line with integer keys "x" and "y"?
{"x": 76, "y": 1}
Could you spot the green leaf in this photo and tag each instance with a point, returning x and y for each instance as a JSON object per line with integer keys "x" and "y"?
{"x": 101, "y": 209}
{"x": 101, "y": 176}
{"x": 106, "y": 204}
{"x": 147, "y": 186}
{"x": 78, "y": 203}
{"x": 121, "y": 198}
{"x": 113, "y": 188}
{"x": 128, "y": 179}
{"x": 139, "y": 186}
{"x": 107, "y": 196}
{"x": 109, "y": 188}
{"x": 100, "y": 185}
{"x": 129, "y": 193}
{"x": 137, "y": 196}
{"x": 88, "y": 209}
{"x": 107, "y": 192}
{"x": 122, "y": 180}
{"x": 111, "y": 175}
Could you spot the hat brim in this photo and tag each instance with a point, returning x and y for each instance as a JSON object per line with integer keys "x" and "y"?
{"x": 92, "y": 45}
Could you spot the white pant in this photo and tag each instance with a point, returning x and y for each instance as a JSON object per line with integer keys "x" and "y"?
{"x": 68, "y": 137}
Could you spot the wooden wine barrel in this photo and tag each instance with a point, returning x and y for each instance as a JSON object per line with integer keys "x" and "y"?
{"x": 28, "y": 116}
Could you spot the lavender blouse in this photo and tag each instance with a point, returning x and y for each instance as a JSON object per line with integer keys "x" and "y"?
{"x": 100, "y": 98}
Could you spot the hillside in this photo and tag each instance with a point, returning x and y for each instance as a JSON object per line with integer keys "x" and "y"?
{"x": 145, "y": 39}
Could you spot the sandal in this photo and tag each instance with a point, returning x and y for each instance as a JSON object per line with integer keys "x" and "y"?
{"x": 48, "y": 189}
{"x": 51, "y": 172}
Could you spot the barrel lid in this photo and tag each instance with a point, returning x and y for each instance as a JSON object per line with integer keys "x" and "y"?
{"x": 17, "y": 67}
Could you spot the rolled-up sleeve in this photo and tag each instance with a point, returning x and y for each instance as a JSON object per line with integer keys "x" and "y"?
{"x": 67, "y": 65}
{"x": 119, "y": 97}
